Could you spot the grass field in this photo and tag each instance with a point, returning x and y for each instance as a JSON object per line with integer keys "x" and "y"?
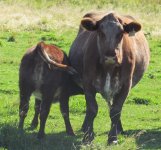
{"x": 24, "y": 23}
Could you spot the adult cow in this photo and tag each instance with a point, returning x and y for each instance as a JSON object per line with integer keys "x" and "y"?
{"x": 111, "y": 54}
{"x": 45, "y": 73}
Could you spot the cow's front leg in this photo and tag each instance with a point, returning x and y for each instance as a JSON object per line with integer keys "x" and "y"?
{"x": 115, "y": 113}
{"x": 34, "y": 122}
{"x": 91, "y": 112}
{"x": 64, "y": 107}
{"x": 119, "y": 124}
{"x": 44, "y": 111}
{"x": 119, "y": 127}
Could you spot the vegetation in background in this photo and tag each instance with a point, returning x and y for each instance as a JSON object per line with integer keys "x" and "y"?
{"x": 24, "y": 23}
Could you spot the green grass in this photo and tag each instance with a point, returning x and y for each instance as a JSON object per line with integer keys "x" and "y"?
{"x": 57, "y": 22}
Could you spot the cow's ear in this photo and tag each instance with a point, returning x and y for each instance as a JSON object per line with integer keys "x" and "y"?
{"x": 132, "y": 27}
{"x": 89, "y": 24}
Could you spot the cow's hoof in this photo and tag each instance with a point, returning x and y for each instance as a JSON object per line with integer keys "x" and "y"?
{"x": 70, "y": 133}
{"x": 20, "y": 126}
{"x": 33, "y": 126}
{"x": 120, "y": 131}
{"x": 40, "y": 136}
{"x": 88, "y": 138}
{"x": 21, "y": 131}
{"x": 84, "y": 128}
{"x": 112, "y": 142}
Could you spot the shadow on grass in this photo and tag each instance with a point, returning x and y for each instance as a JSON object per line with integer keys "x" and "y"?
{"x": 12, "y": 139}
{"x": 146, "y": 139}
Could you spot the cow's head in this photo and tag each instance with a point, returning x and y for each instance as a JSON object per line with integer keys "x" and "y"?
{"x": 110, "y": 30}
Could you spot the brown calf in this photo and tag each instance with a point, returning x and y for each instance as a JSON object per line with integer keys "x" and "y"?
{"x": 45, "y": 73}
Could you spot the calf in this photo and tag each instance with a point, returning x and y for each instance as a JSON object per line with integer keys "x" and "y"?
{"x": 45, "y": 73}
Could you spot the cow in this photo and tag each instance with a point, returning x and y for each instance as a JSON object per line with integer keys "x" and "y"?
{"x": 111, "y": 54}
{"x": 46, "y": 73}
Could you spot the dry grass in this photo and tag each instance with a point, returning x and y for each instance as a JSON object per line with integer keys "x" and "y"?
{"x": 21, "y": 16}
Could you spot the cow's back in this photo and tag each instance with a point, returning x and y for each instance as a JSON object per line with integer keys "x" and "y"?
{"x": 77, "y": 49}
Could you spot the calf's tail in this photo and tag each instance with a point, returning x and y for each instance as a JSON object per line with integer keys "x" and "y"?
{"x": 43, "y": 54}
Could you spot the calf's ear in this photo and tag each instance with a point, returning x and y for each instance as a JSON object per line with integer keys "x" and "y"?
{"x": 132, "y": 27}
{"x": 89, "y": 24}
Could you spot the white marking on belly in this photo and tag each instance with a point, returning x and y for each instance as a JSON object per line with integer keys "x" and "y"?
{"x": 107, "y": 93}
{"x": 37, "y": 94}
{"x": 38, "y": 80}
{"x": 38, "y": 75}
{"x": 111, "y": 87}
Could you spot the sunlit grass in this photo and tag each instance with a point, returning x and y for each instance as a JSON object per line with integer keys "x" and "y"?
{"x": 24, "y": 23}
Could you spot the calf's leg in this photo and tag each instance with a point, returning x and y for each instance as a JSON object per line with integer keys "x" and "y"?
{"x": 34, "y": 122}
{"x": 44, "y": 111}
{"x": 64, "y": 107}
{"x": 25, "y": 93}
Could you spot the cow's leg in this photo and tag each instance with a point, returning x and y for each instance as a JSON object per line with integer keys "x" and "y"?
{"x": 119, "y": 124}
{"x": 91, "y": 112}
{"x": 25, "y": 93}
{"x": 34, "y": 122}
{"x": 44, "y": 111}
{"x": 64, "y": 107}
{"x": 115, "y": 113}
{"x": 119, "y": 127}
{"x": 84, "y": 125}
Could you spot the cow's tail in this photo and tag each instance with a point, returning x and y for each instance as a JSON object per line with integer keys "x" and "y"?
{"x": 43, "y": 54}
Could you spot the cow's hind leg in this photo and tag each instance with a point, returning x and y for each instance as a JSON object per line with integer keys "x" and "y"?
{"x": 34, "y": 122}
{"x": 25, "y": 93}
{"x": 64, "y": 106}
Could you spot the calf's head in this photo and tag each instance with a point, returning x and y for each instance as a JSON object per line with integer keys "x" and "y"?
{"x": 110, "y": 30}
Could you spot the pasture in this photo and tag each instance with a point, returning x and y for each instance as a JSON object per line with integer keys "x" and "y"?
{"x": 24, "y": 23}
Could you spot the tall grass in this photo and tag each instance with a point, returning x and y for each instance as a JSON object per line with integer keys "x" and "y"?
{"x": 61, "y": 15}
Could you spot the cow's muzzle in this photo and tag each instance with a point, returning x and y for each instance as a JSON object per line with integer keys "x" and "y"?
{"x": 113, "y": 60}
